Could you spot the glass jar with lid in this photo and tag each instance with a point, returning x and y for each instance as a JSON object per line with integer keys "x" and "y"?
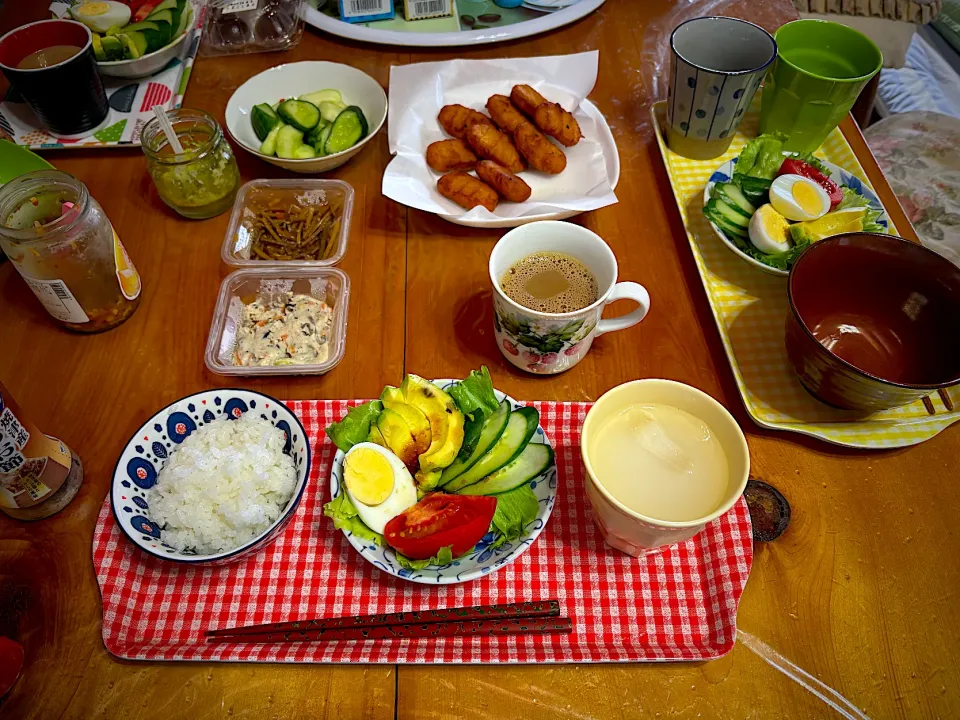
{"x": 62, "y": 243}
{"x": 200, "y": 182}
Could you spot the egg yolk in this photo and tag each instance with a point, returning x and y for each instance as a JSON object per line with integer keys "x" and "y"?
{"x": 807, "y": 198}
{"x": 93, "y": 9}
{"x": 775, "y": 225}
{"x": 369, "y": 476}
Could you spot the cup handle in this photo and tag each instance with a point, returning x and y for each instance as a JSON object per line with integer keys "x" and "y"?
{"x": 626, "y": 291}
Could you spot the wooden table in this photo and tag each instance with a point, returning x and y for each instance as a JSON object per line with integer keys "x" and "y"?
{"x": 861, "y": 590}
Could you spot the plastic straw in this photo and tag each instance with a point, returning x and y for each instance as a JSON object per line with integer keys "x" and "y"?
{"x": 800, "y": 676}
{"x": 168, "y": 130}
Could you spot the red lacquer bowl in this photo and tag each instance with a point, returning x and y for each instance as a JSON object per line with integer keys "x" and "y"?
{"x": 874, "y": 321}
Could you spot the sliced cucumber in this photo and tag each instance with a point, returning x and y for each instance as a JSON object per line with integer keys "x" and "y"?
{"x": 322, "y": 140}
{"x": 533, "y": 460}
{"x": 330, "y": 110}
{"x": 717, "y": 208}
{"x": 185, "y": 17}
{"x": 269, "y": 146}
{"x": 323, "y": 96}
{"x": 313, "y": 135}
{"x": 288, "y": 140}
{"x": 161, "y": 16}
{"x": 304, "y": 152}
{"x": 299, "y": 113}
{"x": 520, "y": 428}
{"x": 756, "y": 190}
{"x": 264, "y": 119}
{"x": 493, "y": 428}
{"x": 138, "y": 39}
{"x": 734, "y": 197}
{"x": 164, "y": 5}
{"x": 348, "y": 129}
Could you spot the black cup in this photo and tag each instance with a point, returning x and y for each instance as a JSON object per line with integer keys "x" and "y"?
{"x": 68, "y": 98}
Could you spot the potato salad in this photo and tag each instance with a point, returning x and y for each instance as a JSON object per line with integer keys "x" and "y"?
{"x": 293, "y": 329}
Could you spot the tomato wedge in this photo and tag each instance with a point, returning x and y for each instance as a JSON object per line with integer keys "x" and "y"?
{"x": 438, "y": 521}
{"x": 798, "y": 167}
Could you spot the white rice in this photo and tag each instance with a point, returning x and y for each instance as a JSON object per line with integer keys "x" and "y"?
{"x": 225, "y": 484}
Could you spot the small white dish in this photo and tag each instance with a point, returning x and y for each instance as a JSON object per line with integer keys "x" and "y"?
{"x": 837, "y": 174}
{"x": 300, "y": 78}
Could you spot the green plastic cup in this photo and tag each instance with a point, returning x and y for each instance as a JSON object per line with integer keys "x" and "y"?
{"x": 820, "y": 69}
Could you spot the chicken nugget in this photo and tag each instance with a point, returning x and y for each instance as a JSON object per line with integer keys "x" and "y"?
{"x": 526, "y": 99}
{"x": 456, "y": 119}
{"x": 542, "y": 154}
{"x": 466, "y": 191}
{"x": 507, "y": 185}
{"x": 446, "y": 155}
{"x": 504, "y": 113}
{"x": 491, "y": 144}
{"x": 556, "y": 122}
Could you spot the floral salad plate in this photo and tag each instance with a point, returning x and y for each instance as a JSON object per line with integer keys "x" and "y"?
{"x": 483, "y": 559}
{"x": 837, "y": 174}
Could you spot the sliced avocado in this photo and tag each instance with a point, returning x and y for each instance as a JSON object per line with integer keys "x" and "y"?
{"x": 398, "y": 438}
{"x": 131, "y": 49}
{"x": 446, "y": 421}
{"x": 139, "y": 41}
{"x": 114, "y": 30}
{"x": 98, "y": 52}
{"x": 375, "y": 436}
{"x": 112, "y": 48}
{"x": 164, "y": 5}
{"x": 419, "y": 426}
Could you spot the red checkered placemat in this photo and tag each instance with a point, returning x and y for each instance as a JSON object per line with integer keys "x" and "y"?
{"x": 680, "y": 604}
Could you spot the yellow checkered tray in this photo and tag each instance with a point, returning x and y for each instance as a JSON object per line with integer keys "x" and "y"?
{"x": 750, "y": 308}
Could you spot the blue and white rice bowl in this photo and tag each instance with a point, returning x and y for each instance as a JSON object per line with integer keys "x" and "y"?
{"x": 152, "y": 445}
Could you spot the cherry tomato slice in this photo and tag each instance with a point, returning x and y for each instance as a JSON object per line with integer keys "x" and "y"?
{"x": 798, "y": 167}
{"x": 438, "y": 521}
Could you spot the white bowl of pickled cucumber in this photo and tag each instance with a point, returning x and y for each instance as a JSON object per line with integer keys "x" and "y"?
{"x": 308, "y": 117}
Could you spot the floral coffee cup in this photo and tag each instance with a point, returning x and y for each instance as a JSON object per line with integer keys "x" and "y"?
{"x": 549, "y": 343}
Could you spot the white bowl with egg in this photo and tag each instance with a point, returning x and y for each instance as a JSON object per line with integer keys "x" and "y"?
{"x": 630, "y": 509}
{"x": 296, "y": 79}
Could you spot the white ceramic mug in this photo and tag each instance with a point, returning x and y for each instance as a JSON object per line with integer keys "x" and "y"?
{"x": 549, "y": 343}
{"x": 626, "y": 529}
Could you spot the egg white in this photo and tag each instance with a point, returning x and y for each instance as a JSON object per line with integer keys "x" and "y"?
{"x": 115, "y": 14}
{"x": 403, "y": 496}
{"x": 760, "y": 235}
{"x": 781, "y": 197}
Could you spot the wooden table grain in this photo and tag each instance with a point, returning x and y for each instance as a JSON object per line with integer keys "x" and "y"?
{"x": 861, "y": 590}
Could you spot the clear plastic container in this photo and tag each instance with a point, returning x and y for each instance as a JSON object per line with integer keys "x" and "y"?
{"x": 251, "y": 26}
{"x": 243, "y": 287}
{"x": 281, "y": 194}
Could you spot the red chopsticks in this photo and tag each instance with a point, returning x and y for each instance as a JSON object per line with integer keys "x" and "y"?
{"x": 483, "y": 620}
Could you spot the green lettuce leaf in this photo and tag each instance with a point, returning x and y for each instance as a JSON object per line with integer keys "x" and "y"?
{"x": 345, "y": 517}
{"x": 515, "y": 510}
{"x": 762, "y": 156}
{"x": 475, "y": 393}
{"x": 355, "y": 426}
{"x": 853, "y": 199}
{"x": 444, "y": 557}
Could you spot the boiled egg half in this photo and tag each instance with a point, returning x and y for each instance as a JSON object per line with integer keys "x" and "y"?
{"x": 799, "y": 198}
{"x": 101, "y": 15}
{"x": 769, "y": 231}
{"x": 378, "y": 483}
